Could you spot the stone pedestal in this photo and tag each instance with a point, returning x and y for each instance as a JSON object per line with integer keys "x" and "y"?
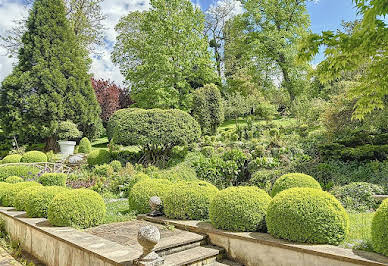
{"x": 148, "y": 236}
{"x": 156, "y": 206}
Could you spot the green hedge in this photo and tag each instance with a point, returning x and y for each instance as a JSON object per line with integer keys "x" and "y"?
{"x": 24, "y": 196}
{"x": 10, "y": 193}
{"x": 24, "y": 171}
{"x": 13, "y": 179}
{"x": 116, "y": 119}
{"x": 116, "y": 165}
{"x": 380, "y": 229}
{"x": 53, "y": 179}
{"x": 84, "y": 146}
{"x": 358, "y": 196}
{"x": 292, "y": 180}
{"x": 240, "y": 209}
{"x": 34, "y": 157}
{"x": 143, "y": 190}
{"x": 80, "y": 208}
{"x": 37, "y": 206}
{"x": 307, "y": 215}
{"x": 189, "y": 200}
{"x": 98, "y": 157}
{"x": 13, "y": 158}
{"x": 3, "y": 190}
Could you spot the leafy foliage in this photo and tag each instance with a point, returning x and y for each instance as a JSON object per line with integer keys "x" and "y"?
{"x": 13, "y": 158}
{"x": 24, "y": 171}
{"x": 14, "y": 179}
{"x": 67, "y": 130}
{"x": 8, "y": 198}
{"x": 34, "y": 157}
{"x": 98, "y": 157}
{"x": 307, "y": 215}
{"x": 85, "y": 146}
{"x": 53, "y": 179}
{"x": 37, "y": 205}
{"x": 294, "y": 180}
{"x": 379, "y": 229}
{"x": 24, "y": 196}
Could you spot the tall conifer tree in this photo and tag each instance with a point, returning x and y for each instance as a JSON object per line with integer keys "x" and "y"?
{"x": 51, "y": 81}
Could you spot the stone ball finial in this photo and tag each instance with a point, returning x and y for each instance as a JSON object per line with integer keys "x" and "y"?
{"x": 148, "y": 236}
{"x": 156, "y": 205}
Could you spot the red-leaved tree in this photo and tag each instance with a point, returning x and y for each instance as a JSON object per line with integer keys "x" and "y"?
{"x": 110, "y": 97}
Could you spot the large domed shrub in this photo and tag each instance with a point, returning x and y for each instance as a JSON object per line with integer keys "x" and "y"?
{"x": 380, "y": 229}
{"x": 189, "y": 200}
{"x": 358, "y": 196}
{"x": 14, "y": 179}
{"x": 307, "y": 215}
{"x": 143, "y": 190}
{"x": 98, "y": 157}
{"x": 53, "y": 179}
{"x": 40, "y": 199}
{"x": 293, "y": 180}
{"x": 84, "y": 146}
{"x": 34, "y": 157}
{"x": 80, "y": 208}
{"x": 24, "y": 171}
{"x": 13, "y": 158}
{"x": 24, "y": 196}
{"x": 9, "y": 197}
{"x": 240, "y": 209}
{"x": 116, "y": 119}
{"x": 3, "y": 190}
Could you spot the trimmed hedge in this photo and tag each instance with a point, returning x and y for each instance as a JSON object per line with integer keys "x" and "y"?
{"x": 380, "y": 229}
{"x": 53, "y": 179}
{"x": 37, "y": 205}
{"x": 307, "y": 215}
{"x": 24, "y": 171}
{"x": 79, "y": 208}
{"x": 189, "y": 200}
{"x": 24, "y": 196}
{"x": 34, "y": 157}
{"x": 13, "y": 179}
{"x": 3, "y": 190}
{"x": 13, "y": 158}
{"x": 143, "y": 190}
{"x": 358, "y": 196}
{"x": 240, "y": 209}
{"x": 116, "y": 165}
{"x": 84, "y": 146}
{"x": 98, "y": 157}
{"x": 135, "y": 179}
{"x": 292, "y": 180}
{"x": 8, "y": 199}
{"x": 116, "y": 119}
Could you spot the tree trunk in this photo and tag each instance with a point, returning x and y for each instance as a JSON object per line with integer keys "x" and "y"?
{"x": 286, "y": 77}
{"x": 51, "y": 144}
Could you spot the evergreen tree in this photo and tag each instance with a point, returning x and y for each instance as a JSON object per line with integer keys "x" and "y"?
{"x": 50, "y": 84}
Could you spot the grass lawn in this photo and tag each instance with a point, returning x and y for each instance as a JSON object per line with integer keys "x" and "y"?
{"x": 360, "y": 231}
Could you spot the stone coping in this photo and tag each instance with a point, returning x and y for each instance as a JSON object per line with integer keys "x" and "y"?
{"x": 341, "y": 254}
{"x": 380, "y": 197}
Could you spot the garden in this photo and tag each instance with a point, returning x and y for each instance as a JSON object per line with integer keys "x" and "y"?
{"x": 203, "y": 125}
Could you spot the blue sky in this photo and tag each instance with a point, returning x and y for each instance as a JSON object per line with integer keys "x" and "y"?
{"x": 325, "y": 15}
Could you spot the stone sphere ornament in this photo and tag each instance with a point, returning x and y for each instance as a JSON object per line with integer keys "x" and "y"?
{"x": 156, "y": 205}
{"x": 148, "y": 236}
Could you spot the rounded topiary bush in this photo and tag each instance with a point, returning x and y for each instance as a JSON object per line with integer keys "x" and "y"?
{"x": 143, "y": 190}
{"x": 240, "y": 209}
{"x": 53, "y": 179}
{"x": 25, "y": 171}
{"x": 24, "y": 196}
{"x": 116, "y": 165}
{"x": 13, "y": 158}
{"x": 40, "y": 199}
{"x": 3, "y": 190}
{"x": 9, "y": 196}
{"x": 307, "y": 215}
{"x": 80, "y": 208}
{"x": 13, "y": 179}
{"x": 380, "y": 229}
{"x": 189, "y": 200}
{"x": 84, "y": 146}
{"x": 358, "y": 196}
{"x": 98, "y": 157}
{"x": 293, "y": 180}
{"x": 34, "y": 157}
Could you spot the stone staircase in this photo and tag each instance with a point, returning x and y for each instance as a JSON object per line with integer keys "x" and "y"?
{"x": 194, "y": 249}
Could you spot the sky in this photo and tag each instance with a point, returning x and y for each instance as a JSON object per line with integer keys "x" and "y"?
{"x": 324, "y": 14}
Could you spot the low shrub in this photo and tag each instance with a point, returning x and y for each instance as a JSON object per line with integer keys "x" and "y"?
{"x": 264, "y": 178}
{"x": 240, "y": 209}
{"x": 189, "y": 200}
{"x": 40, "y": 199}
{"x": 13, "y": 179}
{"x": 179, "y": 172}
{"x": 135, "y": 179}
{"x": 3, "y": 190}
{"x": 13, "y": 158}
{"x": 104, "y": 170}
{"x": 53, "y": 179}
{"x": 358, "y": 196}
{"x": 34, "y": 157}
{"x": 98, "y": 157}
{"x": 24, "y": 196}
{"x": 8, "y": 199}
{"x": 80, "y": 208}
{"x": 24, "y": 171}
{"x": 307, "y": 215}
{"x": 143, "y": 190}
{"x": 380, "y": 229}
{"x": 116, "y": 165}
{"x": 84, "y": 146}
{"x": 293, "y": 180}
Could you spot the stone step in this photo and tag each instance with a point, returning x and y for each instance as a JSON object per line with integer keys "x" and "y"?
{"x": 197, "y": 256}
{"x": 180, "y": 242}
{"x": 226, "y": 263}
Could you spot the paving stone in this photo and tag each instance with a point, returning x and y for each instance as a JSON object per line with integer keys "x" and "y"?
{"x": 191, "y": 256}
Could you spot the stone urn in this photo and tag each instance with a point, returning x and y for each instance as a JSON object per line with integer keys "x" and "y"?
{"x": 67, "y": 147}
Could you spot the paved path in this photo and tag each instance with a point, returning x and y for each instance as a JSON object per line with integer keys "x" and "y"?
{"x": 6, "y": 259}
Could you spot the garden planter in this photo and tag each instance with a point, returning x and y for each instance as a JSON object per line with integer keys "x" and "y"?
{"x": 67, "y": 147}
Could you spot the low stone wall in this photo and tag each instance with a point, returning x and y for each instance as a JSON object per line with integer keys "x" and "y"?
{"x": 57, "y": 246}
{"x": 259, "y": 249}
